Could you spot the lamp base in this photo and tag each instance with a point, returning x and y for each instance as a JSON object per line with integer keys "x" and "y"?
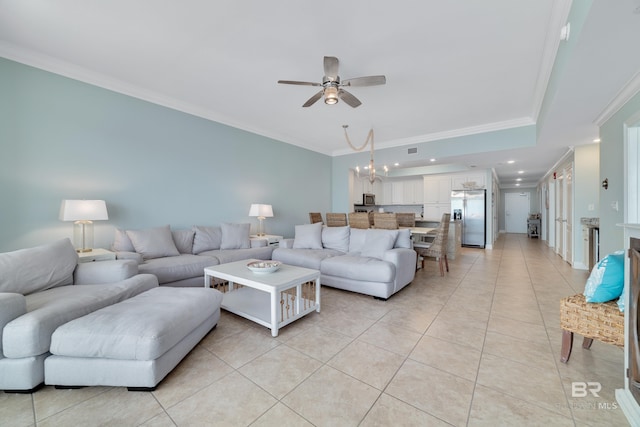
{"x": 83, "y": 236}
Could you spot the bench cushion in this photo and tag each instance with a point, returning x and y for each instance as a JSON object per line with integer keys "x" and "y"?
{"x": 140, "y": 328}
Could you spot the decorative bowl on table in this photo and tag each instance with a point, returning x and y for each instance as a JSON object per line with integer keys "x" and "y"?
{"x": 264, "y": 266}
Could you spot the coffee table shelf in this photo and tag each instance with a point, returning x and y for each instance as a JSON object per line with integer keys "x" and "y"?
{"x": 273, "y": 300}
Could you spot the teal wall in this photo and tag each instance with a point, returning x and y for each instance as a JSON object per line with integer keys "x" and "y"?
{"x": 612, "y": 167}
{"x": 64, "y": 139}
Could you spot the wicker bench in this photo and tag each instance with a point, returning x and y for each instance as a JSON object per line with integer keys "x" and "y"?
{"x": 601, "y": 321}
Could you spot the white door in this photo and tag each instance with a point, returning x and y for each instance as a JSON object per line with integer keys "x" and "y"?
{"x": 559, "y": 212}
{"x": 516, "y": 212}
{"x": 568, "y": 214}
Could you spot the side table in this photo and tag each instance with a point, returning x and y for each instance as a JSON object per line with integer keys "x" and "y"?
{"x": 272, "y": 239}
{"x": 96, "y": 255}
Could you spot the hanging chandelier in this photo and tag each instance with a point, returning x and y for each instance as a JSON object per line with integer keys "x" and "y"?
{"x": 368, "y": 141}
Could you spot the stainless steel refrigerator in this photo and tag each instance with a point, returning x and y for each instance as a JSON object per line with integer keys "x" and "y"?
{"x": 468, "y": 206}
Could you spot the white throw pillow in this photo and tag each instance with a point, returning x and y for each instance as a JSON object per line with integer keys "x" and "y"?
{"x": 235, "y": 236}
{"x": 377, "y": 242}
{"x": 336, "y": 238}
{"x": 404, "y": 239}
{"x": 206, "y": 238}
{"x": 153, "y": 242}
{"x": 308, "y": 236}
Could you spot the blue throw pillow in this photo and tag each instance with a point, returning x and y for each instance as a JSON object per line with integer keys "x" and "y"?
{"x": 606, "y": 280}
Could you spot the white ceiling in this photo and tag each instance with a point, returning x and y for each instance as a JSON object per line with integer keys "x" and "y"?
{"x": 452, "y": 67}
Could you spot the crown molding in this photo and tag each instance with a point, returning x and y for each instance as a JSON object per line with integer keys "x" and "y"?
{"x": 455, "y": 133}
{"x": 628, "y": 91}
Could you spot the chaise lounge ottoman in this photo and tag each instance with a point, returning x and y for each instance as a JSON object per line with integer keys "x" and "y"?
{"x": 134, "y": 343}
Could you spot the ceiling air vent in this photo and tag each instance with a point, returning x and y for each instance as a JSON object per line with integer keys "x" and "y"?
{"x": 412, "y": 151}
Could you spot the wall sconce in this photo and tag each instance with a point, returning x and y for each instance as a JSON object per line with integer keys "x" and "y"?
{"x": 605, "y": 183}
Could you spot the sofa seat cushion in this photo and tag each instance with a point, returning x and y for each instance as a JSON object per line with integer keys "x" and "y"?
{"x": 141, "y": 328}
{"x": 359, "y": 268}
{"x": 230, "y": 255}
{"x": 308, "y": 258}
{"x": 30, "y": 334}
{"x": 184, "y": 266}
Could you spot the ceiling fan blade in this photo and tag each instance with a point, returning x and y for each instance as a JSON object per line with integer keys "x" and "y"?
{"x": 313, "y": 99}
{"x": 365, "y": 81}
{"x": 331, "y": 67}
{"x": 295, "y": 82}
{"x": 348, "y": 98}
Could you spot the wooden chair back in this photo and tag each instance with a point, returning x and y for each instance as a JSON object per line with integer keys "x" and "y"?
{"x": 387, "y": 221}
{"x": 406, "y": 219}
{"x": 359, "y": 220}
{"x": 315, "y": 217}
{"x": 336, "y": 219}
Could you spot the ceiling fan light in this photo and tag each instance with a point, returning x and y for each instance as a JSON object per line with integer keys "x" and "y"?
{"x": 331, "y": 95}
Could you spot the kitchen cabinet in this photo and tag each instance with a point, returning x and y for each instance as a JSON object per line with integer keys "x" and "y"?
{"x": 458, "y": 181}
{"x": 397, "y": 193}
{"x": 413, "y": 192}
{"x": 437, "y": 189}
{"x": 433, "y": 212}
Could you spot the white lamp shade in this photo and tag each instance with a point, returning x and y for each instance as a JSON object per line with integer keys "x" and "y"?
{"x": 83, "y": 210}
{"x": 265, "y": 211}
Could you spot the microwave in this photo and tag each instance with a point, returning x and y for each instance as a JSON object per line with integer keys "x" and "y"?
{"x": 368, "y": 199}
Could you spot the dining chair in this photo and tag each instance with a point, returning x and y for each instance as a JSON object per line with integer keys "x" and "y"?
{"x": 438, "y": 248}
{"x": 315, "y": 217}
{"x": 406, "y": 219}
{"x": 336, "y": 219}
{"x": 387, "y": 221}
{"x": 359, "y": 220}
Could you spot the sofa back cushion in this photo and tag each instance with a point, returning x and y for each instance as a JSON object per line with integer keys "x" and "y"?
{"x": 206, "y": 238}
{"x": 26, "y": 271}
{"x": 336, "y": 238}
{"x": 235, "y": 236}
{"x": 153, "y": 242}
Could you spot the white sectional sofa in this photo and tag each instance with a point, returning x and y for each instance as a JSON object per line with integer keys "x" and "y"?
{"x": 45, "y": 287}
{"x": 369, "y": 261}
{"x": 178, "y": 257}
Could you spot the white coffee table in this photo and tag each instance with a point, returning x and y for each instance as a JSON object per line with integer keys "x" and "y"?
{"x": 273, "y": 299}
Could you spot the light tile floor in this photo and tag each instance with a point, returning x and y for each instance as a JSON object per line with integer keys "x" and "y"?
{"x": 479, "y": 346}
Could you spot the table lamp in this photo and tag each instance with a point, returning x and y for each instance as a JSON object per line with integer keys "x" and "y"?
{"x": 83, "y": 213}
{"x": 262, "y": 212}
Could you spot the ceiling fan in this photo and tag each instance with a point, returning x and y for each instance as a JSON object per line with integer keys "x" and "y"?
{"x": 332, "y": 86}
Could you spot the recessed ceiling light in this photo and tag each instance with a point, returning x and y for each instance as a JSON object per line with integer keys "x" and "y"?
{"x": 396, "y": 164}
{"x": 596, "y": 140}
{"x": 432, "y": 160}
{"x": 519, "y": 179}
{"x": 511, "y": 161}
{"x": 517, "y": 185}
{"x": 520, "y": 172}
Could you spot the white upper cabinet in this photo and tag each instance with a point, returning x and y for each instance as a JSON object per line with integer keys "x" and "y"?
{"x": 463, "y": 181}
{"x": 437, "y": 189}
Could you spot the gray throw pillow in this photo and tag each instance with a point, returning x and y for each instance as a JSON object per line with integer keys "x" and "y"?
{"x": 308, "y": 236}
{"x": 122, "y": 242}
{"x": 183, "y": 240}
{"x": 26, "y": 271}
{"x": 206, "y": 238}
{"x": 377, "y": 242}
{"x": 153, "y": 242}
{"x": 336, "y": 238}
{"x": 235, "y": 236}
